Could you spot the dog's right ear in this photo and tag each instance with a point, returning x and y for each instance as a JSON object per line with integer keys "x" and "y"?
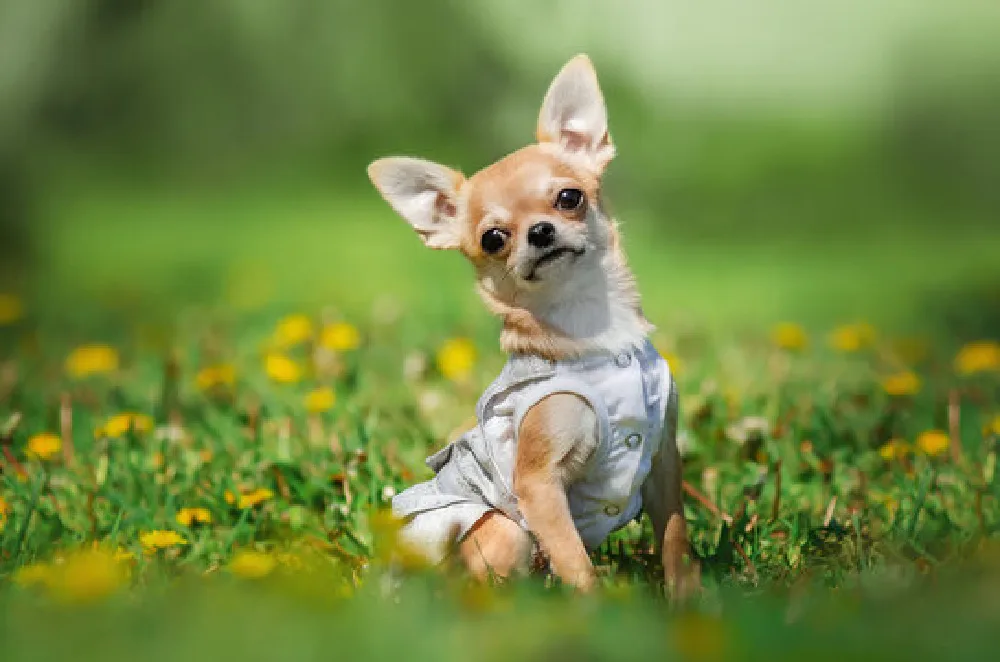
{"x": 425, "y": 194}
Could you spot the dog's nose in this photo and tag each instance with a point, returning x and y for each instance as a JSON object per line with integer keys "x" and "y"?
{"x": 542, "y": 235}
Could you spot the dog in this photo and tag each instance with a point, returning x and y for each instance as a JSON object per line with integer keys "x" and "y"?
{"x": 577, "y": 436}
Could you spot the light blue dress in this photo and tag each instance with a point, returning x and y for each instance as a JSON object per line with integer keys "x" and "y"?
{"x": 629, "y": 393}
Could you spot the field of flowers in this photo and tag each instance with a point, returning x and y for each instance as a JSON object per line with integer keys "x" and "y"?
{"x": 219, "y": 487}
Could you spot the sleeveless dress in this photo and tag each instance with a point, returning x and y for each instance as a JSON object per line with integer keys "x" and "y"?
{"x": 628, "y": 391}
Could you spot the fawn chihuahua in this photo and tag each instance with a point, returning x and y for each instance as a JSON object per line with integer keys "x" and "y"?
{"x": 577, "y": 435}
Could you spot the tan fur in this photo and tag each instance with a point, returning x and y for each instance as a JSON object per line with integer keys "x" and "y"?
{"x": 548, "y": 456}
{"x": 585, "y": 300}
{"x": 663, "y": 501}
{"x": 496, "y": 548}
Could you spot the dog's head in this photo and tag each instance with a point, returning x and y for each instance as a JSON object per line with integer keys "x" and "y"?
{"x": 531, "y": 222}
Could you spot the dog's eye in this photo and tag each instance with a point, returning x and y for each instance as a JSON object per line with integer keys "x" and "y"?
{"x": 493, "y": 241}
{"x": 569, "y": 199}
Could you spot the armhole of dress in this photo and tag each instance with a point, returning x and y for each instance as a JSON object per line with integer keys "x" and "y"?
{"x": 533, "y": 395}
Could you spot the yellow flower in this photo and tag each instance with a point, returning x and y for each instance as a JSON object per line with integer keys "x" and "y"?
{"x": 456, "y": 358}
{"x": 933, "y": 442}
{"x": 852, "y": 337}
{"x": 91, "y": 360}
{"x": 981, "y": 356}
{"x": 789, "y": 336}
{"x": 390, "y": 547}
{"x": 293, "y": 330}
{"x": 252, "y": 565}
{"x": 903, "y": 383}
{"x": 993, "y": 427}
{"x": 33, "y": 574}
{"x": 189, "y": 516}
{"x": 119, "y": 425}
{"x": 340, "y": 337}
{"x": 889, "y": 502}
{"x": 282, "y": 369}
{"x": 213, "y": 376}
{"x": 11, "y": 309}
{"x": 154, "y": 540}
{"x": 43, "y": 446}
{"x": 86, "y": 576}
{"x": 894, "y": 449}
{"x": 123, "y": 555}
{"x": 320, "y": 400}
{"x": 249, "y": 499}
{"x": 674, "y": 362}
{"x": 4, "y": 509}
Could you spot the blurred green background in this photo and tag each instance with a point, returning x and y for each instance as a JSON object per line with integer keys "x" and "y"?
{"x": 817, "y": 161}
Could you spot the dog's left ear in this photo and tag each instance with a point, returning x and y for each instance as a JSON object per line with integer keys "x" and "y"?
{"x": 573, "y": 114}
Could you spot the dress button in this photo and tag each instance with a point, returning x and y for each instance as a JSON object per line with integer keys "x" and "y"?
{"x": 611, "y": 510}
{"x": 623, "y": 360}
{"x": 633, "y": 440}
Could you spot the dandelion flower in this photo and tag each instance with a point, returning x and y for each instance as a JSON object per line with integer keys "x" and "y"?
{"x": 889, "y": 502}
{"x": 215, "y": 376}
{"x": 119, "y": 425}
{"x": 981, "y": 356}
{"x": 340, "y": 337}
{"x": 933, "y": 442}
{"x": 320, "y": 400}
{"x": 390, "y": 546}
{"x": 91, "y": 360}
{"x": 903, "y": 383}
{"x": 43, "y": 446}
{"x": 291, "y": 561}
{"x": 894, "y": 449}
{"x": 249, "y": 499}
{"x": 11, "y": 309}
{"x": 293, "y": 330}
{"x": 161, "y": 539}
{"x": 992, "y": 428}
{"x": 123, "y": 555}
{"x": 86, "y": 576}
{"x": 456, "y": 358}
{"x": 252, "y": 565}
{"x": 674, "y": 362}
{"x": 852, "y": 337}
{"x": 189, "y": 516}
{"x": 789, "y": 336}
{"x": 282, "y": 369}
{"x": 34, "y": 574}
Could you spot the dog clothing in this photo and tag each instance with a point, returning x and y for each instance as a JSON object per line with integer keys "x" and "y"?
{"x": 629, "y": 392}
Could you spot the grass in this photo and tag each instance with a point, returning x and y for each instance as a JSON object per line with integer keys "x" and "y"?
{"x": 818, "y": 537}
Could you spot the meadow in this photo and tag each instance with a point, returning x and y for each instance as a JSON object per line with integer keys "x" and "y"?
{"x": 202, "y": 424}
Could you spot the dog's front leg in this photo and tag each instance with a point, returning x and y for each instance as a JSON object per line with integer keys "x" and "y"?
{"x": 663, "y": 499}
{"x": 555, "y": 438}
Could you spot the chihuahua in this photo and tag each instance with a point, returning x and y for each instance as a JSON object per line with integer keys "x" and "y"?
{"x": 577, "y": 436}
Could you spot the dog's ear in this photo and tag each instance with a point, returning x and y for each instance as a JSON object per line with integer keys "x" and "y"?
{"x": 573, "y": 114}
{"x": 424, "y": 193}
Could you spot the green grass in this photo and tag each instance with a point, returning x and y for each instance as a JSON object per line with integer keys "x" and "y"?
{"x": 312, "y": 247}
{"x": 847, "y": 554}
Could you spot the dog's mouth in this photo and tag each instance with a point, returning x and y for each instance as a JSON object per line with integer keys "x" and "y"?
{"x": 553, "y": 256}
